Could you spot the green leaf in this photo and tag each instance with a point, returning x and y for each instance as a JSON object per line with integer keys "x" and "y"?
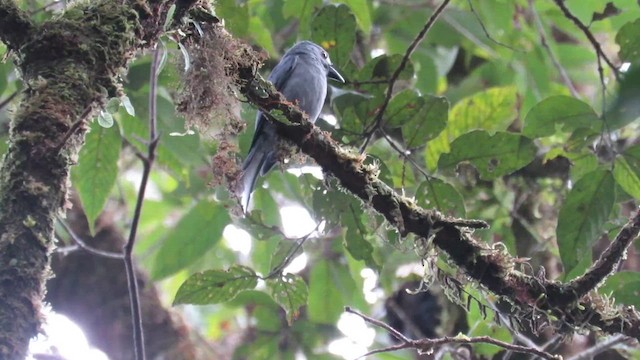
{"x": 624, "y": 287}
{"x": 303, "y": 10}
{"x": 437, "y": 194}
{"x": 493, "y": 156}
{"x": 334, "y": 28}
{"x": 491, "y": 110}
{"x": 290, "y": 291}
{"x": 97, "y": 169}
{"x": 629, "y": 41}
{"x": 480, "y": 324}
{"x": 105, "y": 119}
{"x": 360, "y": 9}
{"x": 215, "y": 286}
{"x": 325, "y": 300}
{"x": 128, "y": 106}
{"x": 582, "y": 217}
{"x": 358, "y": 238}
{"x": 286, "y": 251}
{"x": 627, "y": 176}
{"x": 112, "y": 105}
{"x": 197, "y": 232}
{"x": 421, "y": 117}
{"x": 235, "y": 14}
{"x": 560, "y": 113}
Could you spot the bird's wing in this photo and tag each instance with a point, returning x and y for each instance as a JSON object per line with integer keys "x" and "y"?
{"x": 278, "y": 77}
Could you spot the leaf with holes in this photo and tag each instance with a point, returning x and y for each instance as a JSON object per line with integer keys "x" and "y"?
{"x": 491, "y": 110}
{"x": 215, "y": 286}
{"x": 629, "y": 42}
{"x": 290, "y": 291}
{"x": 493, "y": 156}
{"x": 582, "y": 217}
{"x": 334, "y": 28}
{"x": 560, "y": 113}
{"x": 421, "y": 117}
{"x": 97, "y": 169}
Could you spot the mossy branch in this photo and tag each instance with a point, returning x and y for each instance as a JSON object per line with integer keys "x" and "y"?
{"x": 493, "y": 268}
{"x": 69, "y": 65}
{"x": 15, "y": 25}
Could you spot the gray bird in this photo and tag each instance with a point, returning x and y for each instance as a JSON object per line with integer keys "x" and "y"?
{"x": 301, "y": 76}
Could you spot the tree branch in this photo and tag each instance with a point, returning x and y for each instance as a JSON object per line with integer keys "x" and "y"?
{"x": 493, "y": 268}
{"x": 427, "y": 345}
{"x": 70, "y": 64}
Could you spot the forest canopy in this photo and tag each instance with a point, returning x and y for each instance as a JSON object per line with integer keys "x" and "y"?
{"x": 470, "y": 191}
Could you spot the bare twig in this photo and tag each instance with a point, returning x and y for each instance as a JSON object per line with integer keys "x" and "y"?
{"x": 543, "y": 41}
{"x": 72, "y": 130}
{"x": 426, "y": 345}
{"x": 377, "y": 123}
{"x": 147, "y": 163}
{"x": 486, "y": 32}
{"x": 600, "y": 55}
{"x": 600, "y": 347}
{"x": 6, "y": 101}
{"x": 83, "y": 245}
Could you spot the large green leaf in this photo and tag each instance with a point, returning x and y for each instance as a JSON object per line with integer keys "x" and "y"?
{"x": 197, "y": 232}
{"x": 437, "y": 194}
{"x": 360, "y": 9}
{"x": 421, "y": 117}
{"x": 582, "y": 217}
{"x": 493, "y": 156}
{"x": 627, "y": 171}
{"x": 303, "y": 10}
{"x": 215, "y": 286}
{"x": 627, "y": 175}
{"x": 560, "y": 113}
{"x": 290, "y": 291}
{"x": 624, "y": 287}
{"x": 326, "y": 302}
{"x": 97, "y": 169}
{"x": 334, "y": 28}
{"x": 491, "y": 110}
{"x": 629, "y": 42}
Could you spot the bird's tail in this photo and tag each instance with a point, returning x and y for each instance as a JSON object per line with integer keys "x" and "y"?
{"x": 251, "y": 167}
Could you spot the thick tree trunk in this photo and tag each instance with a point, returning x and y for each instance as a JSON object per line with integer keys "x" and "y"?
{"x": 69, "y": 65}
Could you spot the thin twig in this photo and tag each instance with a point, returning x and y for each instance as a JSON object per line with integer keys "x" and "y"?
{"x": 6, "y": 101}
{"x": 596, "y": 45}
{"x": 72, "y": 130}
{"x": 425, "y": 345}
{"x": 394, "y": 77}
{"x": 486, "y": 31}
{"x": 147, "y": 163}
{"x": 600, "y": 347}
{"x": 545, "y": 44}
{"x": 83, "y": 245}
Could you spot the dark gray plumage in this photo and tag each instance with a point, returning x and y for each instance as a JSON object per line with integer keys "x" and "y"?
{"x": 301, "y": 76}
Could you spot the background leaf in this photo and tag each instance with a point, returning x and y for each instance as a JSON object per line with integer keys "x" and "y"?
{"x": 97, "y": 169}
{"x": 214, "y": 286}
{"x": 585, "y": 211}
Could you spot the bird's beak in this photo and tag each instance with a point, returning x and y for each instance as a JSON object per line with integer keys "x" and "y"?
{"x": 334, "y": 74}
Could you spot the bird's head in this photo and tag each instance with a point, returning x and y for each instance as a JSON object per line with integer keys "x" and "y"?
{"x": 315, "y": 51}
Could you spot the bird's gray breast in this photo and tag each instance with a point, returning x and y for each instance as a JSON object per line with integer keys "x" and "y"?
{"x": 307, "y": 86}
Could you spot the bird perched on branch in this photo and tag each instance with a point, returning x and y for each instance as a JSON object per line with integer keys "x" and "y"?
{"x": 301, "y": 76}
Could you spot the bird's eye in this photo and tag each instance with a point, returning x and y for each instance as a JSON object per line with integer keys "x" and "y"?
{"x": 325, "y": 55}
